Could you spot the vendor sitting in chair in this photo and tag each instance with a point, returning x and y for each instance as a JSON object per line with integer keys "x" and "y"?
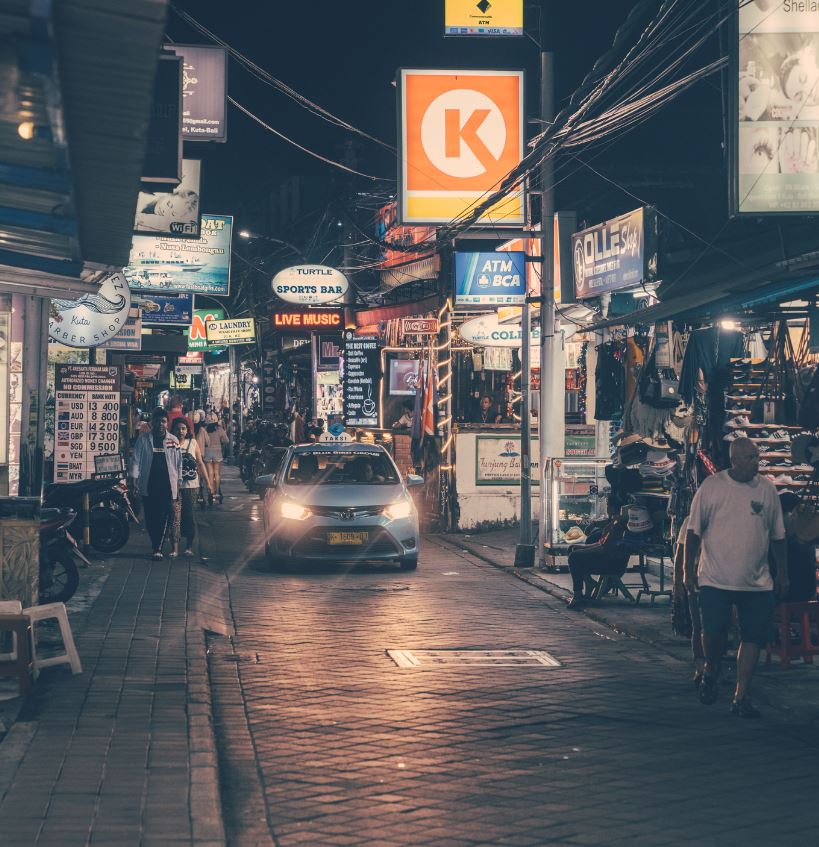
{"x": 605, "y": 557}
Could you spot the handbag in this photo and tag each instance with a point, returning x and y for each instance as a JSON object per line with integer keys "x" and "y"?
{"x": 189, "y": 467}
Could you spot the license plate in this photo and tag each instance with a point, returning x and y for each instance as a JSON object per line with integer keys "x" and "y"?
{"x": 347, "y": 537}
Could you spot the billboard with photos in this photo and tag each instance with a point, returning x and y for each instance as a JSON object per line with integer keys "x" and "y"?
{"x": 173, "y": 212}
{"x": 775, "y": 92}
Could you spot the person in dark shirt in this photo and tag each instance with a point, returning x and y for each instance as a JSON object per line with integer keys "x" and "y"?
{"x": 487, "y": 413}
{"x": 801, "y": 557}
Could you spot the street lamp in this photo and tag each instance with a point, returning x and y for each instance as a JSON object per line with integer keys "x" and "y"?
{"x": 247, "y": 235}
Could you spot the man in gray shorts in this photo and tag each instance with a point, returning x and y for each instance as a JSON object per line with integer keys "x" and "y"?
{"x": 735, "y": 520}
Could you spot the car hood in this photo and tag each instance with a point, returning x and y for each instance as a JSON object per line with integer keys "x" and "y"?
{"x": 342, "y": 496}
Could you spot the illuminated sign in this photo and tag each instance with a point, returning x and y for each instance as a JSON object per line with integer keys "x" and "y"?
{"x": 468, "y": 17}
{"x": 308, "y": 284}
{"x": 461, "y": 133}
{"x": 197, "y": 331}
{"x": 483, "y": 279}
{"x": 231, "y": 331}
{"x": 313, "y": 319}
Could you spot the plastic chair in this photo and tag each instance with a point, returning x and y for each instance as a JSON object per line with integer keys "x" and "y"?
{"x": 21, "y": 665}
{"x": 806, "y": 649}
{"x": 10, "y": 607}
{"x": 70, "y": 657}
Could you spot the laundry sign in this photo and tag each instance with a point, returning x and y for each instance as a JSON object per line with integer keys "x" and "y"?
{"x": 231, "y": 331}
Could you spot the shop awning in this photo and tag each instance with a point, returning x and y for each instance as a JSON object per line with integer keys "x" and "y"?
{"x": 399, "y": 310}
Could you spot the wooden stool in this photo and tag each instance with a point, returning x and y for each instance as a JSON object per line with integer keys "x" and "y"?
{"x": 20, "y": 665}
{"x": 807, "y": 612}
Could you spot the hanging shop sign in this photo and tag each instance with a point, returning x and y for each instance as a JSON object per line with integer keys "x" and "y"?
{"x": 774, "y": 124}
{"x": 204, "y": 86}
{"x": 197, "y": 331}
{"x": 172, "y": 212}
{"x": 362, "y": 380}
{"x": 294, "y": 342}
{"x": 328, "y": 350}
{"x": 86, "y": 418}
{"x": 187, "y": 370}
{"x": 174, "y": 309}
{"x": 227, "y": 333}
{"x": 490, "y": 279}
{"x": 619, "y": 253}
{"x": 461, "y": 133}
{"x": 309, "y": 319}
{"x": 172, "y": 265}
{"x": 419, "y": 326}
{"x": 486, "y": 331}
{"x": 94, "y": 318}
{"x": 309, "y": 285}
{"x": 130, "y": 336}
{"x": 163, "y": 150}
{"x": 500, "y": 17}
{"x": 394, "y": 236}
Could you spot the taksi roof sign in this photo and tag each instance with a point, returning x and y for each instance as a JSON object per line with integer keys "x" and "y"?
{"x": 461, "y": 133}
{"x": 310, "y": 284}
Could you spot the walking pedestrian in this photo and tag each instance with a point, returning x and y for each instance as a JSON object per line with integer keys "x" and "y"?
{"x": 155, "y": 468}
{"x": 735, "y": 520}
{"x": 202, "y": 442}
{"x": 214, "y": 454}
{"x": 184, "y": 507}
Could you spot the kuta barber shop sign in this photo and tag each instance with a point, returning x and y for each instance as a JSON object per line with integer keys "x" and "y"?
{"x": 94, "y": 318}
{"x": 310, "y": 284}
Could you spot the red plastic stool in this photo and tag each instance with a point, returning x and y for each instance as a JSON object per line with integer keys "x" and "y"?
{"x": 806, "y": 613}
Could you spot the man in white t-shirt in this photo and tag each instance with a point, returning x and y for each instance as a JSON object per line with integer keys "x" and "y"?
{"x": 735, "y": 520}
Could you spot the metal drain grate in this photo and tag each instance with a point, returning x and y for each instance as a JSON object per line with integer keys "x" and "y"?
{"x": 473, "y": 658}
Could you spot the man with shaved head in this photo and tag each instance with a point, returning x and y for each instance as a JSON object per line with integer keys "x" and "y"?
{"x": 735, "y": 520}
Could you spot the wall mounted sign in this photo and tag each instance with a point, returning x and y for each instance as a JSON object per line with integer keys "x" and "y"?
{"x": 94, "y": 318}
{"x": 86, "y": 418}
{"x": 486, "y": 331}
{"x": 310, "y": 284}
{"x": 419, "y": 326}
{"x": 230, "y": 332}
{"x": 328, "y": 350}
{"x": 497, "y": 460}
{"x": 500, "y": 17}
{"x": 197, "y": 331}
{"x": 362, "y": 380}
{"x": 310, "y": 319}
{"x": 130, "y": 336}
{"x": 619, "y": 253}
{"x": 490, "y": 279}
{"x": 163, "y": 150}
{"x": 172, "y": 212}
{"x": 460, "y": 134}
{"x": 204, "y": 86}
{"x": 174, "y": 309}
{"x": 194, "y": 265}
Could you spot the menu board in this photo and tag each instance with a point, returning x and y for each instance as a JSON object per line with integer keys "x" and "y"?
{"x": 86, "y": 418}
{"x": 362, "y": 380}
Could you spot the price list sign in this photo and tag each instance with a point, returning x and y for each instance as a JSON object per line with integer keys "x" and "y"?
{"x": 361, "y": 382}
{"x": 86, "y": 418}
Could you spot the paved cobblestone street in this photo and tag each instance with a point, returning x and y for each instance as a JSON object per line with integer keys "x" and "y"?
{"x": 324, "y": 740}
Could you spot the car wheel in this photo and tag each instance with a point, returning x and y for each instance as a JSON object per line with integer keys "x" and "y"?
{"x": 274, "y": 563}
{"x": 408, "y": 563}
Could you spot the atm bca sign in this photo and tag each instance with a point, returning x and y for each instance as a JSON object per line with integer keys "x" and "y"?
{"x": 461, "y": 134}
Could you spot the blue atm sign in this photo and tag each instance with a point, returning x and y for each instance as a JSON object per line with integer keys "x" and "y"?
{"x": 490, "y": 279}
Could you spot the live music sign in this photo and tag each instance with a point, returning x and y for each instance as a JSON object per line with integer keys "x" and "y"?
{"x": 294, "y": 321}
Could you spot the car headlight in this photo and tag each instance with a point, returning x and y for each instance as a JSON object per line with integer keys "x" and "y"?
{"x": 396, "y": 511}
{"x": 294, "y": 511}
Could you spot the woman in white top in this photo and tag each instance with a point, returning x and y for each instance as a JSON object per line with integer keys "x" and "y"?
{"x": 192, "y": 467}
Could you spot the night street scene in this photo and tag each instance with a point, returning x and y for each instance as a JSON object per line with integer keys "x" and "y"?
{"x": 409, "y": 423}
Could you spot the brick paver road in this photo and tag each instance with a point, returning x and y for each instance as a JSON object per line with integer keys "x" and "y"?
{"x": 324, "y": 740}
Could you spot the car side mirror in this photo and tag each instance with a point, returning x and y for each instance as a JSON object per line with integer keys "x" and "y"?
{"x": 267, "y": 480}
{"x": 413, "y": 480}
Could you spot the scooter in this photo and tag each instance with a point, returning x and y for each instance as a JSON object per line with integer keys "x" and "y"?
{"x": 59, "y": 576}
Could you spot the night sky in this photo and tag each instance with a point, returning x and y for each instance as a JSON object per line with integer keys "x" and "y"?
{"x": 344, "y": 56}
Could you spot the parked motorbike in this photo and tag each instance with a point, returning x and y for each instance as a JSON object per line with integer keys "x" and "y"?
{"x": 110, "y": 510}
{"x": 59, "y": 576}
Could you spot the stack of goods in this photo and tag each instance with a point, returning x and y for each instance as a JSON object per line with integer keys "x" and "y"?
{"x": 657, "y": 471}
{"x": 746, "y": 402}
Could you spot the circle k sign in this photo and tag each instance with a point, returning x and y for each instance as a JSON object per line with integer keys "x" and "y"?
{"x": 461, "y": 133}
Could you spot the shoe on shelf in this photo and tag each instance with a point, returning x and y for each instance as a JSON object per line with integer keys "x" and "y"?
{"x": 744, "y": 708}
{"x": 736, "y": 423}
{"x": 737, "y": 433}
{"x": 708, "y": 689}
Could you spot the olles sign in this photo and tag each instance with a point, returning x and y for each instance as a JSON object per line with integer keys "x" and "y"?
{"x": 461, "y": 134}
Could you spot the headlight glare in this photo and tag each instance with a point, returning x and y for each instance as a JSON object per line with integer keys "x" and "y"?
{"x": 294, "y": 511}
{"x": 396, "y": 511}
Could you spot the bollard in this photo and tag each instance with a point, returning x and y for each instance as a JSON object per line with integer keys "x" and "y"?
{"x": 86, "y": 522}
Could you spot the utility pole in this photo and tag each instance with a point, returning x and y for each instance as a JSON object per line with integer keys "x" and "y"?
{"x": 548, "y": 351}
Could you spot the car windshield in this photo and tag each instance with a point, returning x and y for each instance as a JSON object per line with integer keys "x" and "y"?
{"x": 341, "y": 468}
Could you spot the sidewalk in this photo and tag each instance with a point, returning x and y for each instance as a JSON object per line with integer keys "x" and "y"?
{"x": 794, "y": 690}
{"x": 124, "y": 752}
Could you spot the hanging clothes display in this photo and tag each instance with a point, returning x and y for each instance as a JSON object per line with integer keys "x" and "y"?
{"x": 609, "y": 381}
{"x": 707, "y": 356}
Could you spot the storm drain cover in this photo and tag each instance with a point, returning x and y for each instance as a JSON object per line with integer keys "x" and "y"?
{"x": 472, "y": 658}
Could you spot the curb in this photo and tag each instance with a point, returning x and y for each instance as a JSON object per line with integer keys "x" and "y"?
{"x": 207, "y": 823}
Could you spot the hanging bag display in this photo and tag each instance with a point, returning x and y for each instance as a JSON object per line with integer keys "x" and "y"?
{"x": 659, "y": 387}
